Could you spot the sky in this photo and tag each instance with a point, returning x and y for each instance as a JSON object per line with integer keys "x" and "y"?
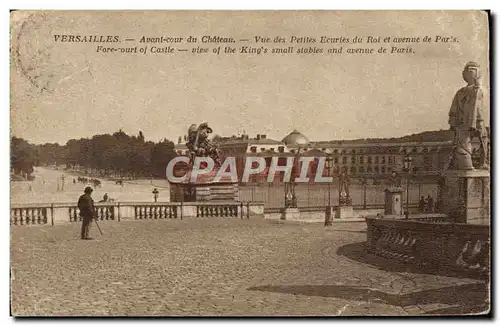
{"x": 61, "y": 91}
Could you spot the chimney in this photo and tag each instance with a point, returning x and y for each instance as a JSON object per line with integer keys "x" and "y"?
{"x": 258, "y": 136}
{"x": 262, "y": 136}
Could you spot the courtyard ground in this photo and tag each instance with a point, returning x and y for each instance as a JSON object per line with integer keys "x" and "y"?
{"x": 223, "y": 267}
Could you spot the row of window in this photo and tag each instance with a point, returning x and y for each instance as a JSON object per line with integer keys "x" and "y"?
{"x": 376, "y": 160}
{"x": 382, "y": 169}
{"x": 361, "y": 151}
{"x": 281, "y": 149}
{"x": 369, "y": 169}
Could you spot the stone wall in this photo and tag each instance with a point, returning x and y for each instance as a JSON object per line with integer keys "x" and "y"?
{"x": 442, "y": 245}
{"x": 318, "y": 214}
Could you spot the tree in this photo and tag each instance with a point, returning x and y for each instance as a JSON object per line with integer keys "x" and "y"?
{"x": 161, "y": 154}
{"x": 116, "y": 154}
{"x": 22, "y": 156}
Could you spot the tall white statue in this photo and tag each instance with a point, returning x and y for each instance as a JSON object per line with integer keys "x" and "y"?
{"x": 465, "y": 118}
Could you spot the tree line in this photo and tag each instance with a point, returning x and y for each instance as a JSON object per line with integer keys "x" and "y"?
{"x": 114, "y": 155}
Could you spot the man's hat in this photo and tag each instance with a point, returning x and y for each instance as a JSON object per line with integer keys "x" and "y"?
{"x": 471, "y": 64}
{"x": 88, "y": 190}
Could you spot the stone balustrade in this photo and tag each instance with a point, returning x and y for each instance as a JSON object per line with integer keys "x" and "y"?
{"x": 57, "y": 213}
{"x": 156, "y": 211}
{"x": 229, "y": 210}
{"x": 30, "y": 214}
{"x": 450, "y": 245}
{"x": 103, "y": 212}
{"x": 422, "y": 217}
{"x": 317, "y": 214}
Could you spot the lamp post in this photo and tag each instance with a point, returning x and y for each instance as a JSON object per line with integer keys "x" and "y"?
{"x": 364, "y": 182}
{"x": 290, "y": 195}
{"x": 155, "y": 194}
{"x": 407, "y": 169}
{"x": 329, "y": 163}
{"x": 328, "y": 213}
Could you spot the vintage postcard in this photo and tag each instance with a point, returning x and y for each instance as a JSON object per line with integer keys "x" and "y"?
{"x": 250, "y": 163}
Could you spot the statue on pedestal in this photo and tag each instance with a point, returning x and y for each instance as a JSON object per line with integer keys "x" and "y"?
{"x": 290, "y": 197}
{"x": 465, "y": 119}
{"x": 395, "y": 179}
{"x": 344, "y": 197}
{"x": 199, "y": 144}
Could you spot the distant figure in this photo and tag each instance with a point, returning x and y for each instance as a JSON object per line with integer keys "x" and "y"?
{"x": 105, "y": 197}
{"x": 437, "y": 206}
{"x": 430, "y": 204}
{"x": 87, "y": 212}
{"x": 74, "y": 181}
{"x": 421, "y": 204}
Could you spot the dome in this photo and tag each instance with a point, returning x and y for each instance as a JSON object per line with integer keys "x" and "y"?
{"x": 295, "y": 138}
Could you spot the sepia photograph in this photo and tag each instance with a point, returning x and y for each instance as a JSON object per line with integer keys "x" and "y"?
{"x": 232, "y": 163}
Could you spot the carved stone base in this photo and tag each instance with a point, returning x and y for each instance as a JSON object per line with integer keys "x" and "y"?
{"x": 205, "y": 192}
{"x": 290, "y": 214}
{"x": 465, "y": 196}
{"x": 393, "y": 201}
{"x": 344, "y": 212}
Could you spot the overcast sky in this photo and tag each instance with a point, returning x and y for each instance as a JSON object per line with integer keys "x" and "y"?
{"x": 324, "y": 96}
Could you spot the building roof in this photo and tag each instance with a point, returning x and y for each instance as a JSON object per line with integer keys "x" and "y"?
{"x": 250, "y": 142}
{"x": 362, "y": 143}
{"x": 313, "y": 152}
{"x": 270, "y": 153}
{"x": 295, "y": 138}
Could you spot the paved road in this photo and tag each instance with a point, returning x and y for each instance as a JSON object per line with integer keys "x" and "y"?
{"x": 221, "y": 267}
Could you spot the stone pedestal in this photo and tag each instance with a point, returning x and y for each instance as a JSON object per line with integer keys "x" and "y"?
{"x": 393, "y": 204}
{"x": 329, "y": 214}
{"x": 345, "y": 212}
{"x": 465, "y": 196}
{"x": 290, "y": 214}
{"x": 204, "y": 192}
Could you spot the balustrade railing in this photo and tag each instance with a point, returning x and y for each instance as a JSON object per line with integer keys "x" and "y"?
{"x": 442, "y": 218}
{"x": 455, "y": 245}
{"x": 227, "y": 210}
{"x": 28, "y": 214}
{"x": 158, "y": 211}
{"x": 102, "y": 213}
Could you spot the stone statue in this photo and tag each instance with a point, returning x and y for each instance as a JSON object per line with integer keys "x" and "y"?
{"x": 344, "y": 197}
{"x": 199, "y": 144}
{"x": 395, "y": 179}
{"x": 465, "y": 119}
{"x": 290, "y": 197}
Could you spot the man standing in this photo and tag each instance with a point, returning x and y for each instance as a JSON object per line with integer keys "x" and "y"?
{"x": 421, "y": 204}
{"x": 87, "y": 212}
{"x": 430, "y": 204}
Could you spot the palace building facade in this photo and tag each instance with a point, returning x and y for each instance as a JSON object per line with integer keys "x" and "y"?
{"x": 359, "y": 158}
